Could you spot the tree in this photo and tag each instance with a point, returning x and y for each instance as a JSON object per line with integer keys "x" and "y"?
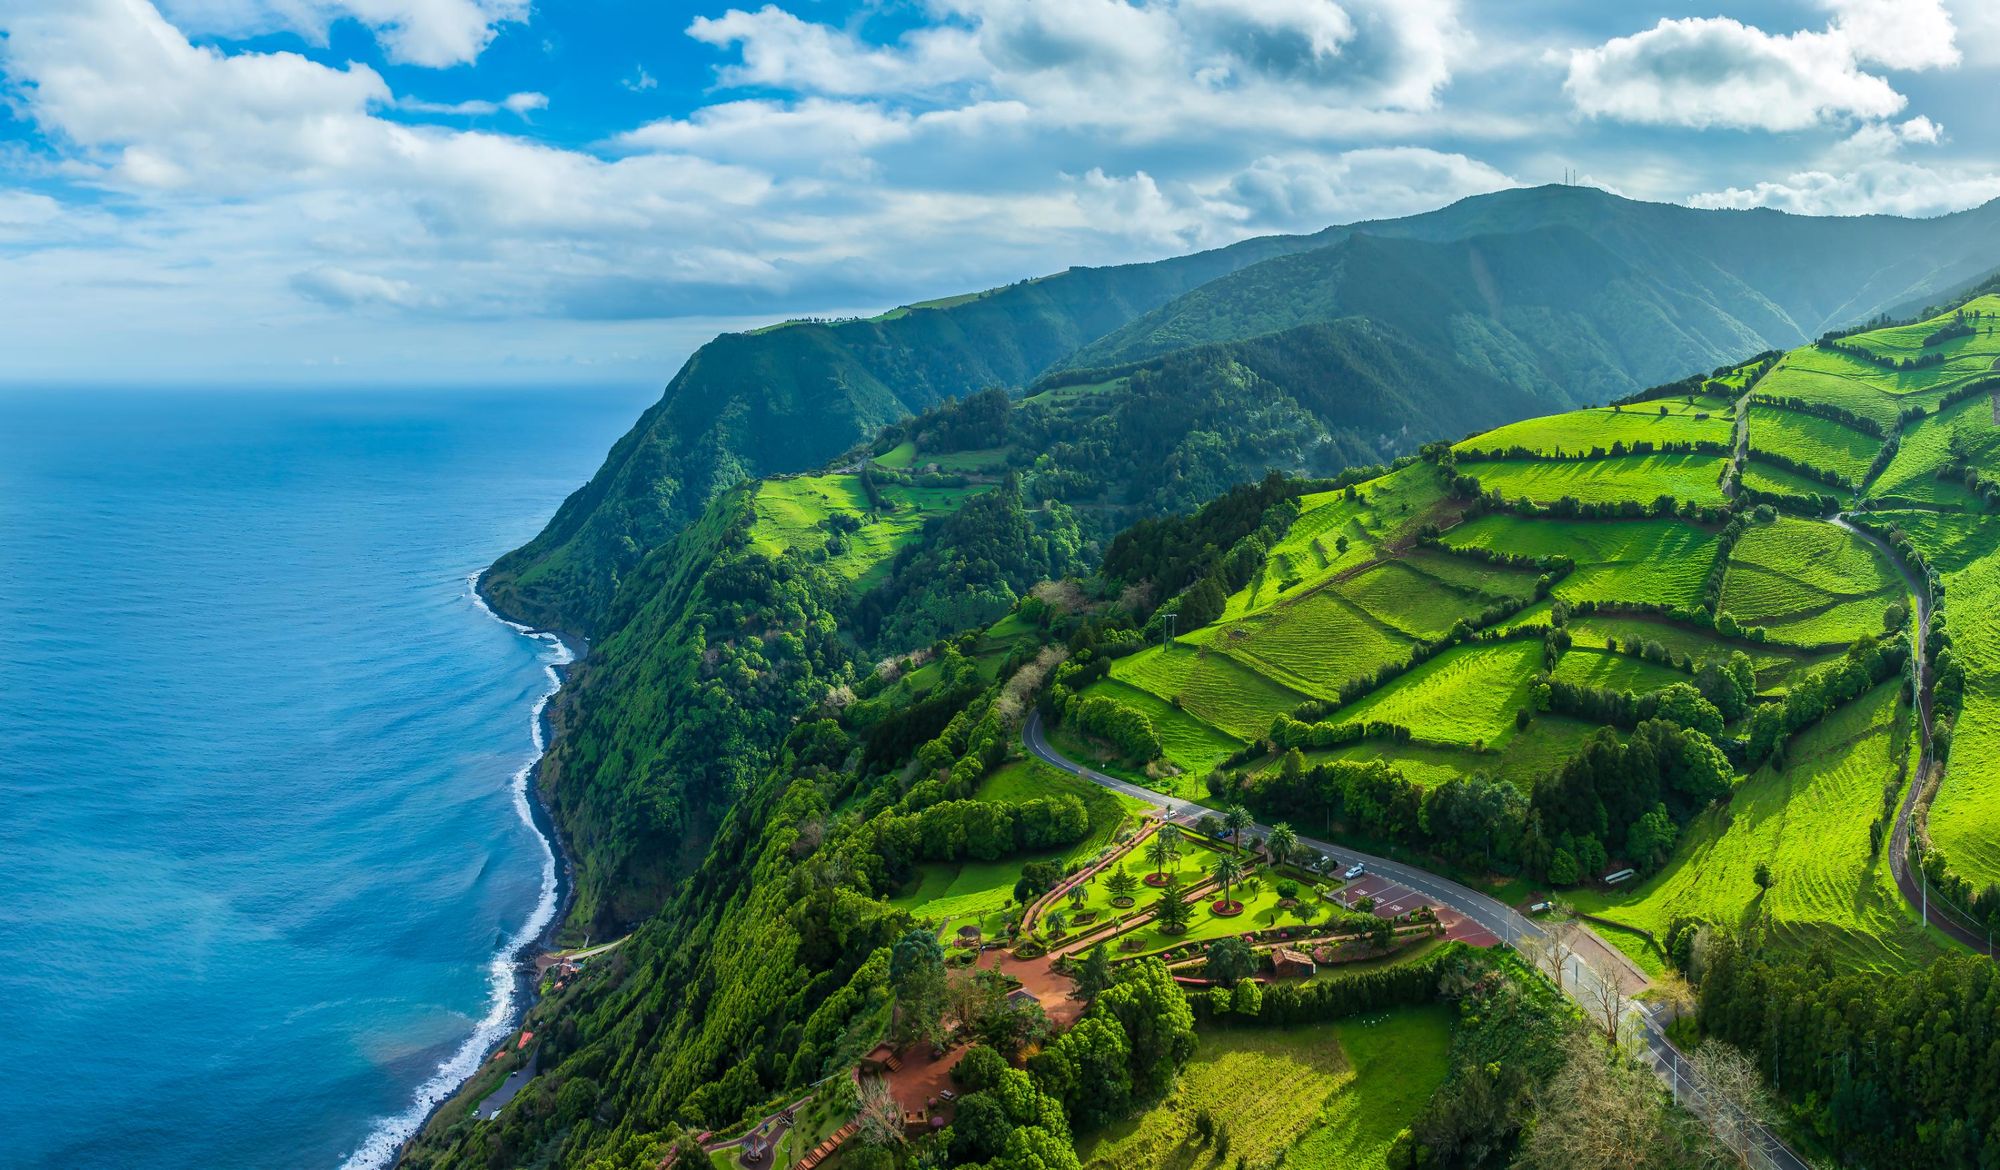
{"x": 1157, "y": 1020}
{"x": 1248, "y": 999}
{"x": 1170, "y": 912}
{"x": 1089, "y": 1070}
{"x": 1236, "y": 818}
{"x": 1736, "y": 1104}
{"x": 880, "y": 1118}
{"x": 1093, "y": 974}
{"x": 1230, "y": 960}
{"x": 1077, "y": 896}
{"x": 1121, "y": 883}
{"x": 1227, "y": 870}
{"x": 1651, "y": 839}
{"x": 1604, "y": 998}
{"x": 1601, "y": 1112}
{"x": 1164, "y": 848}
{"x": 917, "y": 975}
{"x": 1282, "y": 843}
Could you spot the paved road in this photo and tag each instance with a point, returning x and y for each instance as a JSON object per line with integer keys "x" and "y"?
{"x": 1583, "y": 978}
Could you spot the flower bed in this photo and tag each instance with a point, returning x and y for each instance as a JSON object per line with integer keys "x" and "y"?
{"x": 1225, "y": 909}
{"x": 1125, "y": 903}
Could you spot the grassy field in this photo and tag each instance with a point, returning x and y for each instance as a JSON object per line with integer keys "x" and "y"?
{"x": 1477, "y": 579}
{"x": 1211, "y": 686}
{"x": 1809, "y": 583}
{"x": 1604, "y": 481}
{"x": 1190, "y": 745}
{"x": 1816, "y": 441}
{"x": 791, "y": 514}
{"x": 1616, "y": 560}
{"x": 1868, "y": 389}
{"x": 1618, "y": 672}
{"x": 1466, "y": 696}
{"x": 1772, "y": 663}
{"x": 1598, "y": 428}
{"x": 1314, "y": 643}
{"x": 1965, "y": 819}
{"x": 1927, "y": 449}
{"x": 1524, "y": 759}
{"x": 1810, "y": 823}
{"x": 1409, "y": 601}
{"x": 1325, "y": 1097}
{"x": 1384, "y": 511}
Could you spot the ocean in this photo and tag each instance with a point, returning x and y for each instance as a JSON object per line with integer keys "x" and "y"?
{"x": 263, "y": 838}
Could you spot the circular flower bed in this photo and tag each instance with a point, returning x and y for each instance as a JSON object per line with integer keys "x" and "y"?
{"x": 1156, "y": 880}
{"x": 1125, "y": 903}
{"x": 1225, "y": 909}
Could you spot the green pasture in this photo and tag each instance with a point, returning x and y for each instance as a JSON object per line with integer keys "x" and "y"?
{"x": 1479, "y": 580}
{"x": 1764, "y": 477}
{"x": 1582, "y": 431}
{"x": 790, "y": 514}
{"x": 1928, "y": 448}
{"x": 1211, "y": 686}
{"x": 1810, "y": 439}
{"x": 1611, "y": 480}
{"x": 1408, "y": 601}
{"x": 1617, "y": 672}
{"x": 1467, "y": 695}
{"x": 1385, "y": 510}
{"x": 1809, "y": 822}
{"x": 1965, "y": 818}
{"x": 1189, "y": 744}
{"x": 1809, "y": 583}
{"x": 1523, "y": 760}
{"x": 1772, "y": 663}
{"x": 1661, "y": 561}
{"x": 1319, "y": 1097}
{"x": 1314, "y": 643}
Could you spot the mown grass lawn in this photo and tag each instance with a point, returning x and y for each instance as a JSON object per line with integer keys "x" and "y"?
{"x": 1410, "y": 602}
{"x": 1617, "y": 672}
{"x": 1926, "y": 450}
{"x": 1315, "y": 643}
{"x": 1328, "y": 1096}
{"x": 1810, "y": 823}
{"x": 1211, "y": 686}
{"x": 1809, "y": 583}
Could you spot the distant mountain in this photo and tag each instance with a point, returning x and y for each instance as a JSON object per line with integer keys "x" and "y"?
{"x": 1497, "y": 307}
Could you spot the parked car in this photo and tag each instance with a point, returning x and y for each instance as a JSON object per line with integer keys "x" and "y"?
{"x": 1355, "y": 871}
{"x": 1540, "y": 908}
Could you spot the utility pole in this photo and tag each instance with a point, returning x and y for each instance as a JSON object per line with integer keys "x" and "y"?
{"x": 1167, "y": 631}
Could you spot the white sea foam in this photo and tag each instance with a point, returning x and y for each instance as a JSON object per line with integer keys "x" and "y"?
{"x": 379, "y": 1148}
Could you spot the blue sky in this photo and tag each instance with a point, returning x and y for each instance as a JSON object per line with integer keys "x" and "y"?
{"x": 395, "y": 192}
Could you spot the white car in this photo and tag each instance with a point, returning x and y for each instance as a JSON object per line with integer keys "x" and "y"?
{"x": 1355, "y": 871}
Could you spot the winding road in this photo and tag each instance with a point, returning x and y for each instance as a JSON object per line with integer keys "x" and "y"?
{"x": 1584, "y": 978}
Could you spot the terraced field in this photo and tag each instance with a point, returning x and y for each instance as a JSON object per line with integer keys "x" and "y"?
{"x": 1772, "y": 663}
{"x": 1617, "y": 672}
{"x": 1967, "y": 427}
{"x": 1763, "y": 477}
{"x": 1874, "y": 392}
{"x": 1387, "y": 510}
{"x": 1315, "y": 643}
{"x": 1523, "y": 760}
{"x": 1809, "y": 583}
{"x": 1664, "y": 561}
{"x": 1408, "y": 601}
{"x": 1189, "y": 744}
{"x": 1965, "y": 818}
{"x": 1816, "y": 441}
{"x": 1465, "y": 696}
{"x": 1810, "y": 823}
{"x": 1582, "y": 431}
{"x": 1604, "y": 481}
{"x": 1211, "y": 686}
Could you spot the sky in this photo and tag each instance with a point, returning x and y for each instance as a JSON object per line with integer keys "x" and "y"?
{"x": 271, "y": 193}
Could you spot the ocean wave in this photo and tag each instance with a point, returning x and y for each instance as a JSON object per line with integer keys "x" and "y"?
{"x": 379, "y": 1148}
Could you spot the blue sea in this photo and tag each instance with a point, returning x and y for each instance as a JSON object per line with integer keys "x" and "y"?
{"x": 264, "y": 842}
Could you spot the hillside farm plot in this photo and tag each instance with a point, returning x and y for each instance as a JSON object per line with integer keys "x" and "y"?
{"x": 1414, "y": 603}
{"x": 1907, "y": 341}
{"x": 1385, "y": 510}
{"x": 1323, "y": 1096}
{"x": 796, "y": 514}
{"x": 1211, "y": 686}
{"x": 1815, "y": 441}
{"x": 1465, "y": 696}
{"x": 1189, "y": 744}
{"x": 1963, "y": 434}
{"x": 1616, "y": 672}
{"x": 1809, "y": 583}
{"x": 1584, "y": 431}
{"x": 1810, "y": 824}
{"x": 1763, "y": 477}
{"x": 1773, "y": 664}
{"x": 1526, "y": 757}
{"x": 1659, "y": 561}
{"x": 1482, "y": 582}
{"x": 1641, "y": 478}
{"x": 1315, "y": 643}
{"x": 1965, "y": 817}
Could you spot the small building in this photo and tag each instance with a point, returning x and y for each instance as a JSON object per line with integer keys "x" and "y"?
{"x": 1287, "y": 963}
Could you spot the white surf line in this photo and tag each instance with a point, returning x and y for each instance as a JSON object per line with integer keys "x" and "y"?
{"x": 379, "y": 1148}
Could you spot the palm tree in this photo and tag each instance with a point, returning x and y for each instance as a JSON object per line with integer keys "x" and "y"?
{"x": 1077, "y": 894}
{"x": 1227, "y": 870}
{"x": 1164, "y": 849}
{"x": 1281, "y": 843}
{"x": 1236, "y": 819}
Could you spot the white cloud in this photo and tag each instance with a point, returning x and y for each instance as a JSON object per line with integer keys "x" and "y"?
{"x": 342, "y": 289}
{"x": 772, "y": 130}
{"x": 1897, "y": 34}
{"x": 641, "y": 81}
{"x": 781, "y": 50}
{"x": 1299, "y": 192}
{"x": 434, "y": 33}
{"x": 1708, "y": 72}
{"x": 521, "y": 104}
{"x": 1978, "y": 30}
{"x": 1887, "y": 187}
